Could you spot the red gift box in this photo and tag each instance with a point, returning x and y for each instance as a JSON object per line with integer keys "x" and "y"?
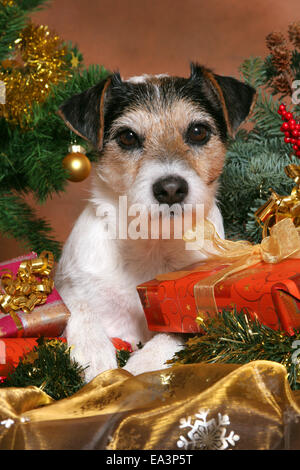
{"x": 47, "y": 320}
{"x": 271, "y": 292}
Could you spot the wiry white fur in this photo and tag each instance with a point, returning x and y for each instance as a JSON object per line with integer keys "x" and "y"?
{"x": 152, "y": 170}
{"x": 145, "y": 77}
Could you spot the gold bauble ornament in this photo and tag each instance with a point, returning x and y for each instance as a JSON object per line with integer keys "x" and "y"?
{"x": 77, "y": 163}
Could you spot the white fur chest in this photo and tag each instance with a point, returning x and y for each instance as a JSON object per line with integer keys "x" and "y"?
{"x": 102, "y": 274}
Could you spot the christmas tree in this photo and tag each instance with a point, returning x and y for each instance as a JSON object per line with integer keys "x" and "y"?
{"x": 38, "y": 71}
{"x": 256, "y": 159}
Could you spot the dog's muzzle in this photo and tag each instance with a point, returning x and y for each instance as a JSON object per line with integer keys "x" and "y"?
{"x": 170, "y": 190}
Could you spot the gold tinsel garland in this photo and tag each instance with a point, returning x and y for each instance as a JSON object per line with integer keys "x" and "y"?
{"x": 39, "y": 61}
{"x": 9, "y": 3}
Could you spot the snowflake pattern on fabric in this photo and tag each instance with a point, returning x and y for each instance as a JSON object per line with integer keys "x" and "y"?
{"x": 206, "y": 434}
{"x": 7, "y": 423}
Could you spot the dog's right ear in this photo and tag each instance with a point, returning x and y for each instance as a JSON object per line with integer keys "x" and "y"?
{"x": 84, "y": 113}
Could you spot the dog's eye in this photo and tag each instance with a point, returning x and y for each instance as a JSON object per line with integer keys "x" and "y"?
{"x": 198, "y": 134}
{"x": 128, "y": 139}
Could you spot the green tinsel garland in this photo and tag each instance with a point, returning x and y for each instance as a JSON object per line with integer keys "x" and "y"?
{"x": 232, "y": 337}
{"x": 49, "y": 367}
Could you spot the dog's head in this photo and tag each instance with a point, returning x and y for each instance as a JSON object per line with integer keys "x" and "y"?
{"x": 161, "y": 139}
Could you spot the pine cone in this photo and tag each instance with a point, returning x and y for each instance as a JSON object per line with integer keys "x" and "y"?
{"x": 281, "y": 58}
{"x": 294, "y": 34}
{"x": 274, "y": 40}
{"x": 281, "y": 85}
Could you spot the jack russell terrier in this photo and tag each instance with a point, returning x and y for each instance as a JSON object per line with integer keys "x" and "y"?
{"x": 161, "y": 140}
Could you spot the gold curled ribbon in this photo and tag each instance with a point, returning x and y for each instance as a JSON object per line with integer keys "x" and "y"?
{"x": 283, "y": 243}
{"x": 30, "y": 287}
{"x": 280, "y": 207}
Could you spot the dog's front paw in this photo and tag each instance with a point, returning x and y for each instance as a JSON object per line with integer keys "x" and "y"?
{"x": 155, "y": 354}
{"x": 94, "y": 358}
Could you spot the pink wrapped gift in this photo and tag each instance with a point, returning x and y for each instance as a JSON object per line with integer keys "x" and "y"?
{"x": 48, "y": 319}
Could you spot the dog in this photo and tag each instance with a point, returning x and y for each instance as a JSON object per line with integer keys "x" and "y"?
{"x": 161, "y": 140}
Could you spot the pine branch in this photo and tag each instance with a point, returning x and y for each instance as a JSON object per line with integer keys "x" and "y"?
{"x": 252, "y": 167}
{"x": 12, "y": 20}
{"x": 253, "y": 71}
{"x": 19, "y": 221}
{"x": 232, "y": 337}
{"x": 122, "y": 357}
{"x": 265, "y": 115}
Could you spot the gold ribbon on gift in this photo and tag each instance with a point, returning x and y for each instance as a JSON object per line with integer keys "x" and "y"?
{"x": 236, "y": 256}
{"x": 30, "y": 287}
{"x": 280, "y": 207}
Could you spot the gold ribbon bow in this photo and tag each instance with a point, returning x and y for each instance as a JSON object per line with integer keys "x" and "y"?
{"x": 30, "y": 287}
{"x": 280, "y": 207}
{"x": 283, "y": 243}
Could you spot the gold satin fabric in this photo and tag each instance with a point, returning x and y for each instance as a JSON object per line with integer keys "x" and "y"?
{"x": 202, "y": 405}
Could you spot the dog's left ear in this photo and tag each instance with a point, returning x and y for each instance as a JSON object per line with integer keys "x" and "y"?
{"x": 84, "y": 113}
{"x": 235, "y": 97}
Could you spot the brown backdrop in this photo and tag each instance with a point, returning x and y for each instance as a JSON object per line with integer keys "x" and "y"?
{"x": 155, "y": 36}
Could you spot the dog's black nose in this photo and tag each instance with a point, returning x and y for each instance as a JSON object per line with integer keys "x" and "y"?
{"x": 170, "y": 190}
